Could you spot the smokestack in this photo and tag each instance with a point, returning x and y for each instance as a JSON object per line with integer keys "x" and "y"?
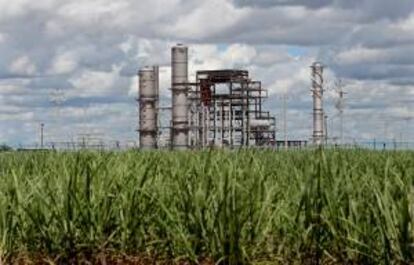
{"x": 318, "y": 113}
{"x": 148, "y": 100}
{"x": 179, "y": 80}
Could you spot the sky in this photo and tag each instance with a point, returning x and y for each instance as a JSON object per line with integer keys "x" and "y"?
{"x": 72, "y": 64}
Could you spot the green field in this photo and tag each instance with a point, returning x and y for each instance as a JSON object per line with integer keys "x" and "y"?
{"x": 253, "y": 207}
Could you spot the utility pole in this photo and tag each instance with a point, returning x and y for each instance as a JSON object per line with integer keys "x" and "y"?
{"x": 326, "y": 128}
{"x": 42, "y": 125}
{"x": 57, "y": 98}
{"x": 386, "y": 124}
{"x": 285, "y": 120}
{"x": 407, "y": 124}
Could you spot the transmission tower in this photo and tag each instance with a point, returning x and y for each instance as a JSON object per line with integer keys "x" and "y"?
{"x": 340, "y": 105}
{"x": 57, "y": 98}
{"x": 285, "y": 109}
{"x": 407, "y": 126}
{"x": 285, "y": 120}
{"x": 42, "y": 126}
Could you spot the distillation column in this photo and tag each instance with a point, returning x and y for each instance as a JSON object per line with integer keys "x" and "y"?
{"x": 179, "y": 80}
{"x": 318, "y": 113}
{"x": 148, "y": 101}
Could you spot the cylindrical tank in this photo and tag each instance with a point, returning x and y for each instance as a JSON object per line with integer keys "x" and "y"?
{"x": 147, "y": 109}
{"x": 259, "y": 123}
{"x": 318, "y": 113}
{"x": 179, "y": 79}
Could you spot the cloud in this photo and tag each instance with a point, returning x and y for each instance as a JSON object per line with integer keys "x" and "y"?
{"x": 97, "y": 84}
{"x": 91, "y": 52}
{"x": 22, "y": 7}
{"x": 64, "y": 63}
{"x": 271, "y": 3}
{"x": 2, "y": 38}
{"x": 22, "y": 66}
{"x": 372, "y": 9}
{"x": 193, "y": 25}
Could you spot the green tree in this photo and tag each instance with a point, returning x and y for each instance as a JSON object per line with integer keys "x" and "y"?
{"x": 5, "y": 148}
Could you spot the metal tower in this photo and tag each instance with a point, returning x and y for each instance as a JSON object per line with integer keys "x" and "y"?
{"x": 148, "y": 107}
{"x": 340, "y": 106}
{"x": 179, "y": 80}
{"x": 318, "y": 113}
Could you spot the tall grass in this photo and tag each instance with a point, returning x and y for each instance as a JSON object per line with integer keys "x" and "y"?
{"x": 309, "y": 207}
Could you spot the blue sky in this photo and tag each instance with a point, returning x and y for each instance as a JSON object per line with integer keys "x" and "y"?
{"x": 90, "y": 52}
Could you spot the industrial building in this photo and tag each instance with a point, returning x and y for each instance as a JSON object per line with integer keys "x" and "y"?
{"x": 221, "y": 108}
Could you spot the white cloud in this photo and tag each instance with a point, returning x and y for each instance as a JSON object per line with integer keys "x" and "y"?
{"x": 406, "y": 24}
{"x": 23, "y": 66}
{"x": 207, "y": 19}
{"x": 20, "y": 7}
{"x": 25, "y": 116}
{"x": 239, "y": 54}
{"x": 2, "y": 38}
{"x": 92, "y": 11}
{"x": 10, "y": 88}
{"x": 358, "y": 55}
{"x": 54, "y": 28}
{"x": 93, "y": 83}
{"x": 93, "y": 49}
{"x": 273, "y": 56}
{"x": 63, "y": 63}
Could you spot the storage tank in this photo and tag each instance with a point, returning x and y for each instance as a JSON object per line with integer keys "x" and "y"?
{"x": 259, "y": 123}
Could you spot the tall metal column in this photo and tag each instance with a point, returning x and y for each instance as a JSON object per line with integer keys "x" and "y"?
{"x": 179, "y": 80}
{"x": 148, "y": 101}
{"x": 318, "y": 113}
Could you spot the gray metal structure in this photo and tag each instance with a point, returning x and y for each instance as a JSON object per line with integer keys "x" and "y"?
{"x": 222, "y": 108}
{"x": 226, "y": 111}
{"x": 148, "y": 107}
{"x": 179, "y": 81}
{"x": 318, "y": 137}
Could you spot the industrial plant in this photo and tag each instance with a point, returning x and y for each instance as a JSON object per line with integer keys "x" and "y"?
{"x": 221, "y": 108}
{"x": 218, "y": 108}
